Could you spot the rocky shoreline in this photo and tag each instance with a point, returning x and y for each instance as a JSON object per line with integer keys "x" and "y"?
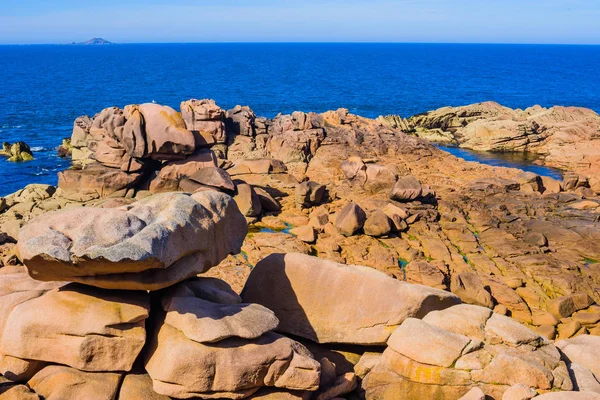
{"x": 211, "y": 253}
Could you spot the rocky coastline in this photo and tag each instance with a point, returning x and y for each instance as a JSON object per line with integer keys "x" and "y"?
{"x": 214, "y": 254}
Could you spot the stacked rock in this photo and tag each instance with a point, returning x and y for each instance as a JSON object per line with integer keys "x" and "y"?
{"x": 92, "y": 338}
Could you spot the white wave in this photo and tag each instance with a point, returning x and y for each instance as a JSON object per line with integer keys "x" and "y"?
{"x": 39, "y": 148}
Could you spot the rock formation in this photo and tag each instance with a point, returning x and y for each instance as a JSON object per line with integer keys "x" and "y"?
{"x": 351, "y": 242}
{"x": 15, "y": 152}
{"x": 563, "y": 137}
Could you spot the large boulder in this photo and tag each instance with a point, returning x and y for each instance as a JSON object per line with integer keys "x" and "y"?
{"x": 240, "y": 121}
{"x": 57, "y": 382}
{"x": 204, "y": 117}
{"x": 212, "y": 346}
{"x": 95, "y": 181}
{"x": 350, "y": 219}
{"x": 166, "y": 135}
{"x": 16, "y": 152}
{"x": 16, "y": 288}
{"x": 309, "y": 194}
{"x": 233, "y": 368}
{"x": 86, "y": 328}
{"x": 583, "y": 350}
{"x": 406, "y": 188}
{"x": 214, "y": 177}
{"x": 329, "y": 302}
{"x": 452, "y": 351}
{"x": 136, "y": 247}
{"x": 170, "y": 175}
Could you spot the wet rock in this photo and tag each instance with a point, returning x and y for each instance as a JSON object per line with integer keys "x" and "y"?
{"x": 326, "y": 318}
{"x": 16, "y": 152}
{"x": 350, "y": 219}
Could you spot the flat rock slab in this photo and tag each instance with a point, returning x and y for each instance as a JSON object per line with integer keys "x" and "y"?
{"x": 148, "y": 245}
{"x": 206, "y": 322}
{"x": 329, "y": 302}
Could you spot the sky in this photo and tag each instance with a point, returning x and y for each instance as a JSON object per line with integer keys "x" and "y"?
{"x": 440, "y": 21}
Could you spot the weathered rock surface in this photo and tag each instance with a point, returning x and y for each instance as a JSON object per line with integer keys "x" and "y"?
{"x": 331, "y": 317}
{"x": 564, "y": 137}
{"x": 232, "y": 368}
{"x": 446, "y": 358}
{"x": 16, "y": 152}
{"x": 86, "y": 328}
{"x": 137, "y": 246}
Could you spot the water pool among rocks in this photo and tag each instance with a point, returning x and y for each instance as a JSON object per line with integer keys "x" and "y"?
{"x": 523, "y": 161}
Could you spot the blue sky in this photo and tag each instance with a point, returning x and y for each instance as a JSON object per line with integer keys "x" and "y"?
{"x": 470, "y": 21}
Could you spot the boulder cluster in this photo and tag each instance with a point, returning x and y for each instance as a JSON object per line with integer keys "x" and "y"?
{"x": 16, "y": 152}
{"x": 216, "y": 254}
{"x": 563, "y": 137}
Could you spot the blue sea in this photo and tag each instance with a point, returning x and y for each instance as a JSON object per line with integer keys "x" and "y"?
{"x": 44, "y": 88}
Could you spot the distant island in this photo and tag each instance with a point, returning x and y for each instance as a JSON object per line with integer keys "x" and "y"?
{"x": 94, "y": 41}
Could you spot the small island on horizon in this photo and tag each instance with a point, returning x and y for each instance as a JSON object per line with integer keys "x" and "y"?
{"x": 94, "y": 41}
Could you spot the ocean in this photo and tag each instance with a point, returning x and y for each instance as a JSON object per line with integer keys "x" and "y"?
{"x": 44, "y": 88}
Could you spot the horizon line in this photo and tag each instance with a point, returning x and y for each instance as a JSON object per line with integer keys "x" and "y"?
{"x": 304, "y": 42}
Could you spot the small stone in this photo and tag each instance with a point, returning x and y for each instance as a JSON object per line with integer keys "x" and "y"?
{"x": 540, "y": 317}
{"x": 519, "y": 392}
{"x": 378, "y": 224}
{"x": 267, "y": 201}
{"x": 305, "y": 233}
{"x": 309, "y": 194}
{"x": 536, "y": 239}
{"x": 350, "y": 219}
{"x": 547, "y": 331}
{"x": 247, "y": 200}
{"x": 568, "y": 330}
{"x": 474, "y": 394}
{"x": 214, "y": 177}
{"x": 407, "y": 188}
